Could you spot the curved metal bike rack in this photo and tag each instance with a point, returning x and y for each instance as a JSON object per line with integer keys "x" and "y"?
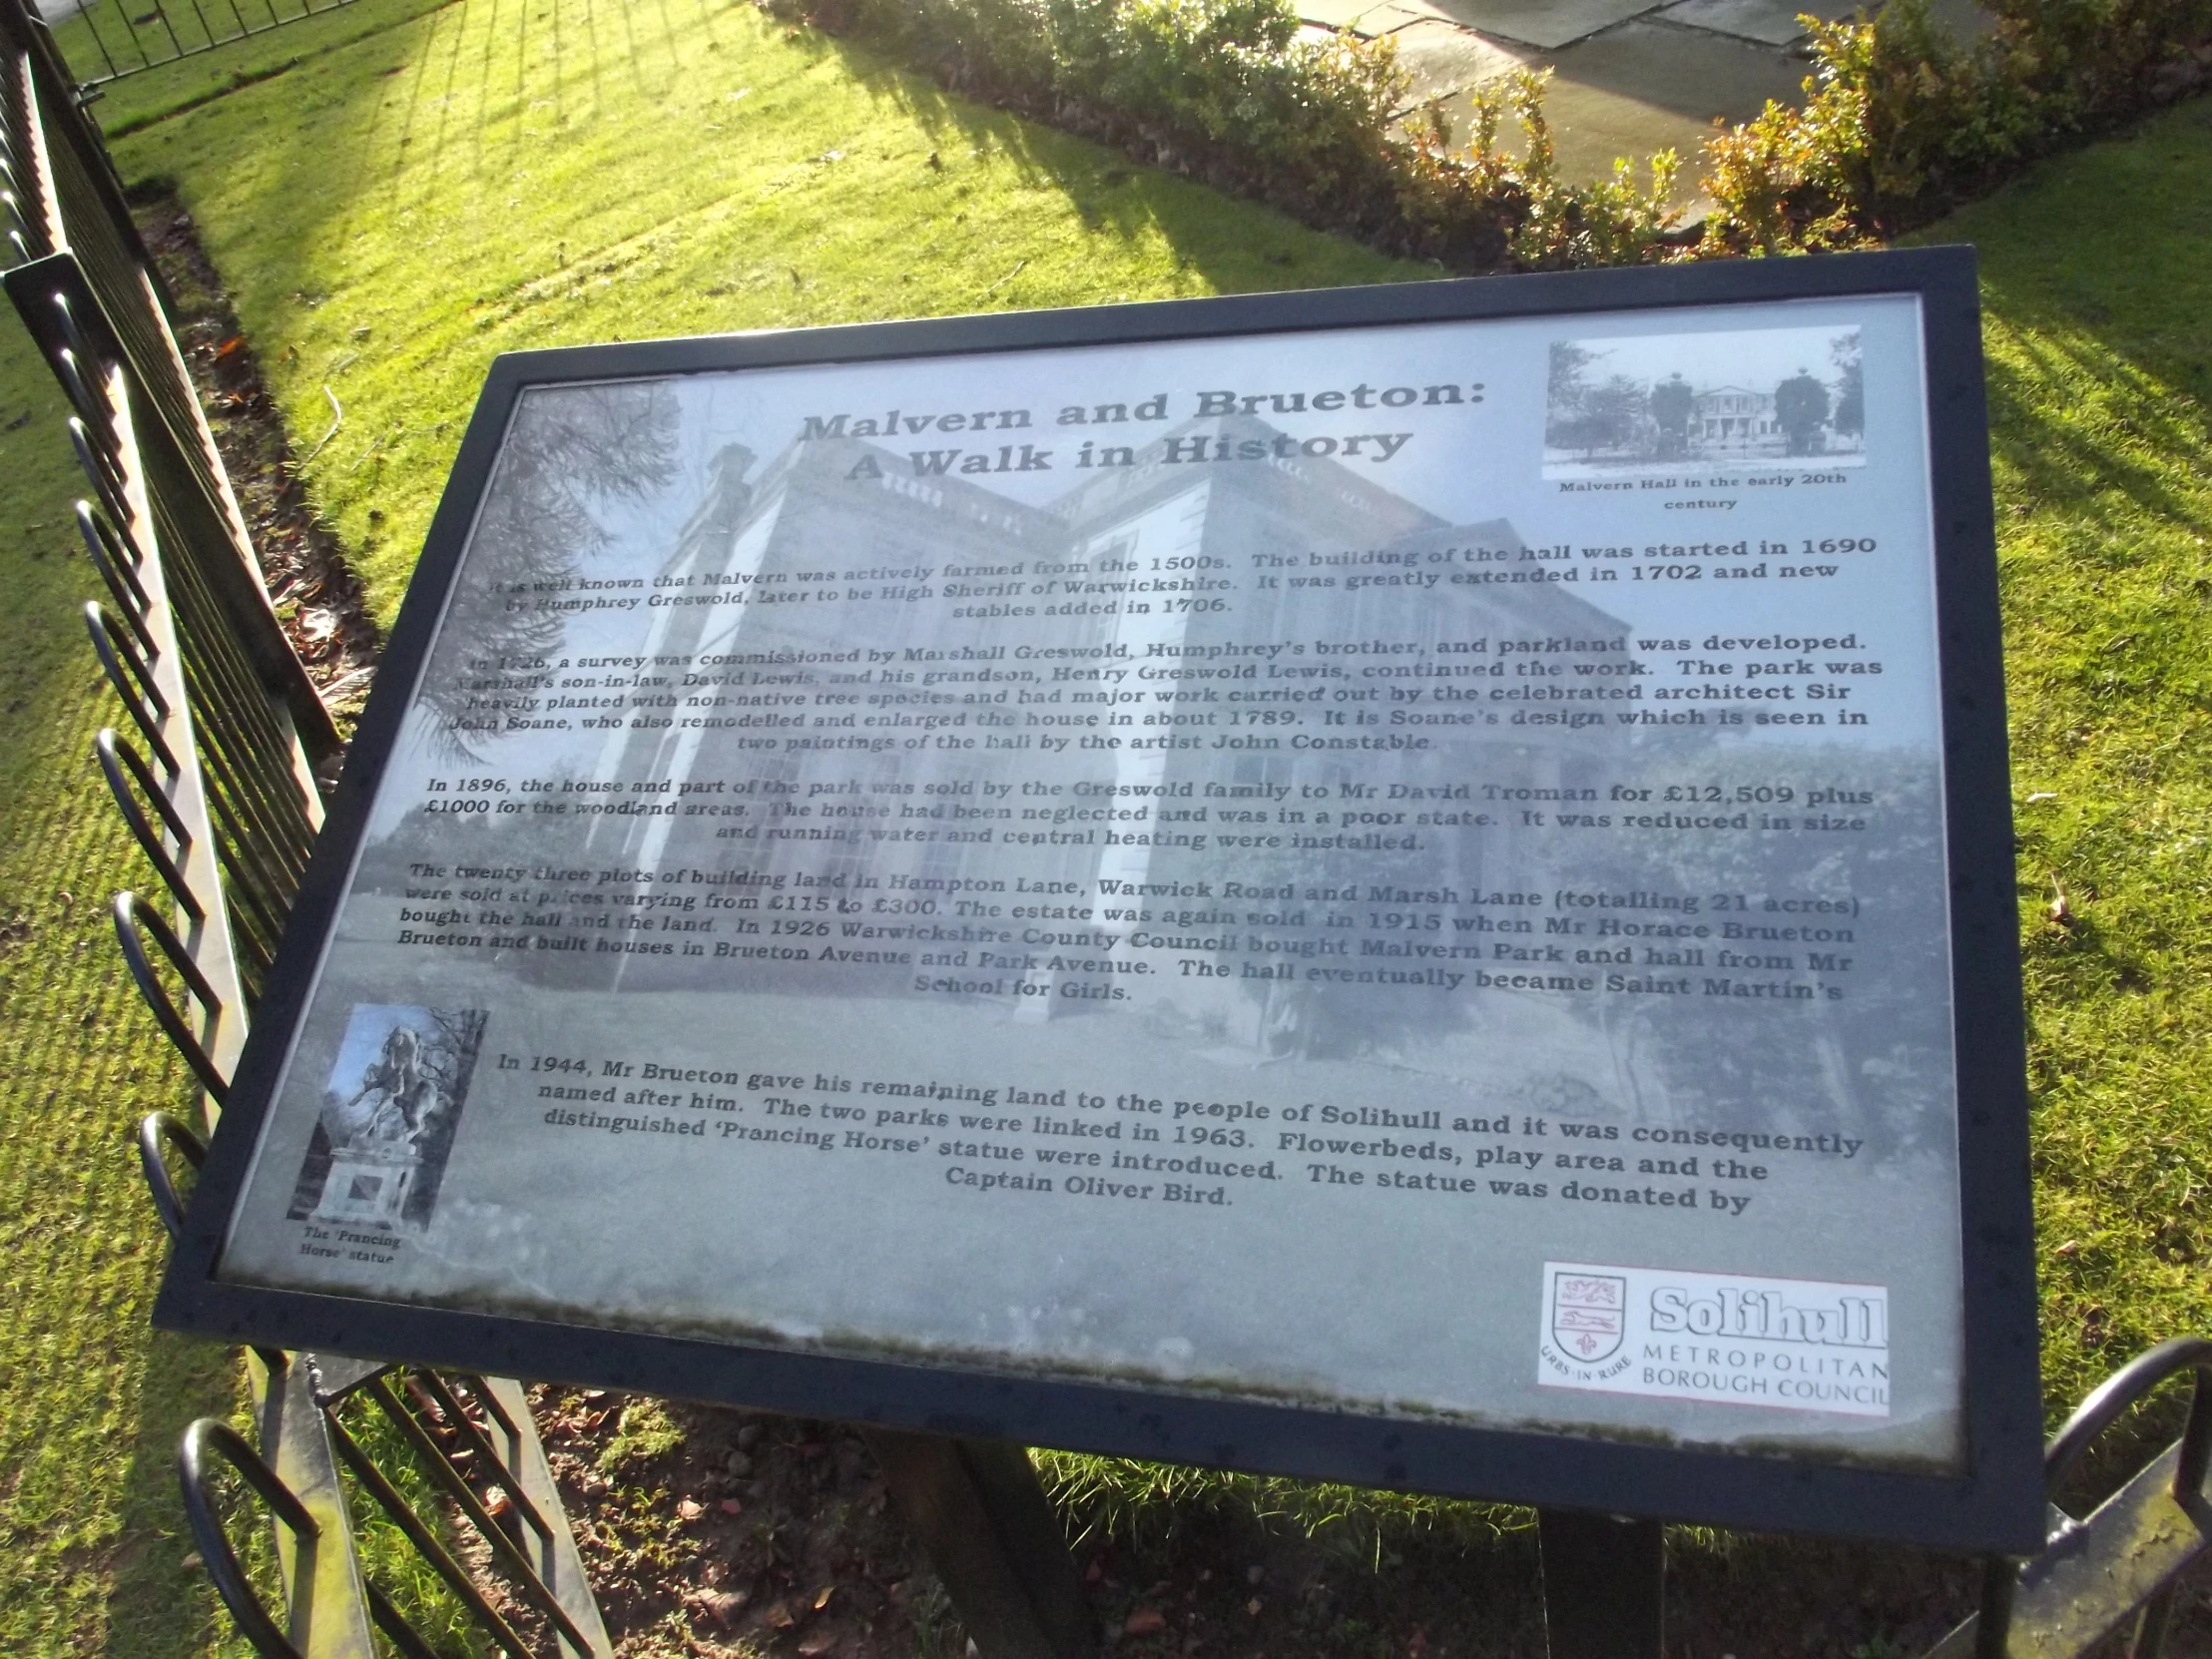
{"x": 224, "y": 801}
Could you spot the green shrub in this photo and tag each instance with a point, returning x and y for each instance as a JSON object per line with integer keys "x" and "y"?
{"x": 1231, "y": 92}
{"x": 1902, "y": 122}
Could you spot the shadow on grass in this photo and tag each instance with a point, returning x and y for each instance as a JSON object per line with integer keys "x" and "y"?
{"x": 375, "y": 128}
{"x": 1109, "y": 191}
{"x": 158, "y": 1606}
{"x": 2094, "y": 263}
{"x": 2133, "y": 452}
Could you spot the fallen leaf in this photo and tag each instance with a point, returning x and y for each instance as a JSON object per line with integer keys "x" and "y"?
{"x": 1253, "y": 1606}
{"x": 729, "y": 1506}
{"x": 230, "y": 348}
{"x": 1145, "y": 1621}
{"x": 820, "y": 1642}
{"x": 497, "y": 1502}
{"x": 780, "y": 1617}
{"x": 689, "y": 1509}
{"x": 822, "y": 1600}
{"x": 724, "y": 1606}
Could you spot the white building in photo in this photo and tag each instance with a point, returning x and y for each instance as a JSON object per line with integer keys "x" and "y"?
{"x": 1730, "y": 417}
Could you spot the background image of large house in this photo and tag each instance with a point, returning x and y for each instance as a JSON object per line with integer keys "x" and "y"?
{"x": 893, "y": 812}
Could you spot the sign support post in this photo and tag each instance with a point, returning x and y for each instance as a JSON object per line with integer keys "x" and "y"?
{"x": 991, "y": 1536}
{"x": 1604, "y": 1584}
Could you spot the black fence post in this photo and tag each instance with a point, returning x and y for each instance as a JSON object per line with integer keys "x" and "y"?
{"x": 1605, "y": 1585}
{"x": 994, "y": 1541}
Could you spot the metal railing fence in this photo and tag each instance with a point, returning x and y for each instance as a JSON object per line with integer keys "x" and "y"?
{"x": 215, "y": 776}
{"x": 108, "y": 39}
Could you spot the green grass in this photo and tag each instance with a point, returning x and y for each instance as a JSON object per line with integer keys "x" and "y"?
{"x": 505, "y": 174}
{"x": 2099, "y": 336}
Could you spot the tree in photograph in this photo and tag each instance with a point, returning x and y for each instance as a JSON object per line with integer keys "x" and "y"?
{"x": 1614, "y": 415}
{"x": 1851, "y": 385}
{"x": 449, "y": 1056}
{"x": 570, "y": 450}
{"x": 1799, "y": 409}
{"x": 1589, "y": 417}
{"x": 1567, "y": 392}
{"x": 1671, "y": 403}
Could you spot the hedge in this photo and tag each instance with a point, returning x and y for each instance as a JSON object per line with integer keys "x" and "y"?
{"x": 1901, "y": 121}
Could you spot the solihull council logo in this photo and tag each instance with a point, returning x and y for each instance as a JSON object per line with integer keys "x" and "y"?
{"x": 1589, "y": 1313}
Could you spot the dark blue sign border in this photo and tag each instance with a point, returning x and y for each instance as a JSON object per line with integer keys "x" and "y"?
{"x": 1995, "y": 1504}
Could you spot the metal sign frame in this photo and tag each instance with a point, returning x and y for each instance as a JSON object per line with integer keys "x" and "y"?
{"x": 1995, "y": 1504}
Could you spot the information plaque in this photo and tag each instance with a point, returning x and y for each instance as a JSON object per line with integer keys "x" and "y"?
{"x": 1406, "y": 885}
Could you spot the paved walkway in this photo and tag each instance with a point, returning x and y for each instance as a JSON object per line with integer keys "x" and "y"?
{"x": 1630, "y": 77}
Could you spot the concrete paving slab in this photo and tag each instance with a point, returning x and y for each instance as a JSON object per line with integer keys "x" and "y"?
{"x": 1545, "y": 23}
{"x": 1681, "y": 72}
{"x": 1395, "y": 15}
{"x": 1643, "y": 88}
{"x": 1964, "y": 19}
{"x": 1351, "y": 15}
{"x": 1589, "y": 127}
{"x": 1443, "y": 59}
{"x": 1774, "y": 22}
{"x": 1367, "y": 18}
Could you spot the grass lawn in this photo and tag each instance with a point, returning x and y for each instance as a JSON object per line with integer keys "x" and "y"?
{"x": 2099, "y": 334}
{"x": 503, "y": 174}
{"x": 429, "y": 187}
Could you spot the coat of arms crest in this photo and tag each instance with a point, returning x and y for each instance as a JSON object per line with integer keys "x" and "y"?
{"x": 1589, "y": 1313}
